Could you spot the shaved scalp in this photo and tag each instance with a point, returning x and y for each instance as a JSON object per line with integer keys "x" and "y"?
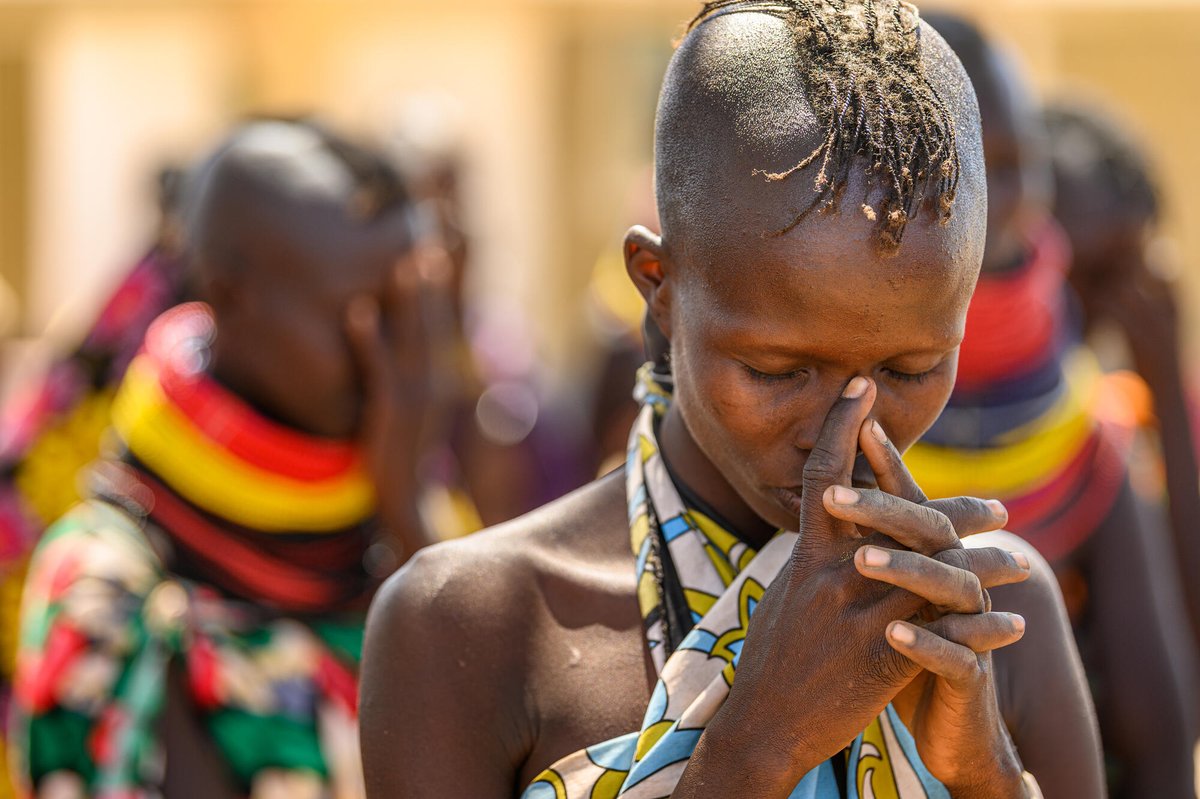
{"x": 808, "y": 92}
{"x": 282, "y": 177}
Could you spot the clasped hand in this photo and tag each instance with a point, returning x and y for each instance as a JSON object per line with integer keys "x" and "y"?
{"x": 879, "y": 597}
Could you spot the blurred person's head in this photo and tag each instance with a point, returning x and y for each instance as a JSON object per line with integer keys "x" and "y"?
{"x": 1106, "y": 198}
{"x": 286, "y": 225}
{"x": 821, "y": 191}
{"x": 426, "y": 140}
{"x": 1014, "y": 142}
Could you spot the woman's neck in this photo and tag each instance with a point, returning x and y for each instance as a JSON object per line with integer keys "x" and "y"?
{"x": 690, "y": 465}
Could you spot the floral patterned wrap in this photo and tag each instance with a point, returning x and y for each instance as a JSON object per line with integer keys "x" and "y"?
{"x": 102, "y": 623}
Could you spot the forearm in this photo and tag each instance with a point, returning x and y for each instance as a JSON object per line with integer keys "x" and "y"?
{"x": 999, "y": 778}
{"x": 725, "y": 763}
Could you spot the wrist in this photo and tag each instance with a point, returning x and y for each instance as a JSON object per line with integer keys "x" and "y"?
{"x": 732, "y": 754}
{"x": 1001, "y": 778}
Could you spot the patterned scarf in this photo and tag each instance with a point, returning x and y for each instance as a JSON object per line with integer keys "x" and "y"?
{"x": 700, "y": 584}
{"x": 224, "y": 545}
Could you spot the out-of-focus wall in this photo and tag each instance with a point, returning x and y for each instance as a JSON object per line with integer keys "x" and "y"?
{"x": 114, "y": 92}
{"x": 556, "y": 103}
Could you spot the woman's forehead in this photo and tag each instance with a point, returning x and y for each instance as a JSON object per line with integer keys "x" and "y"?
{"x": 814, "y": 286}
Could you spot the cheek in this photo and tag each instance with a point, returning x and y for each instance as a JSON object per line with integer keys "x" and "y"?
{"x": 313, "y": 359}
{"x": 907, "y": 411}
{"x": 723, "y": 412}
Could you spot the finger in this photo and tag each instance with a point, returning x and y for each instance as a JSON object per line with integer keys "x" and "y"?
{"x": 831, "y": 461}
{"x": 407, "y": 311}
{"x": 971, "y": 515}
{"x": 946, "y": 587}
{"x": 930, "y": 651}
{"x": 885, "y": 460}
{"x": 980, "y": 632}
{"x": 968, "y": 514}
{"x": 917, "y": 527}
{"x": 366, "y": 342}
{"x": 993, "y": 566}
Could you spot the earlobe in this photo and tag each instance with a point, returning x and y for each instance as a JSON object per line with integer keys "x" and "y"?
{"x": 648, "y": 268}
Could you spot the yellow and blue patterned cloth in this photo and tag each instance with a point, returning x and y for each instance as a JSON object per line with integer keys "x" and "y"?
{"x": 698, "y": 586}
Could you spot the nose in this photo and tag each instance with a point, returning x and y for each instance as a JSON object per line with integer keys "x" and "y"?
{"x": 813, "y": 407}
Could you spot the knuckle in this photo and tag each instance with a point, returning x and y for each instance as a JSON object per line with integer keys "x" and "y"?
{"x": 972, "y": 508}
{"x": 888, "y": 665}
{"x": 966, "y": 667}
{"x": 958, "y": 558}
{"x": 822, "y": 467}
{"x": 943, "y": 526}
{"x": 971, "y": 590}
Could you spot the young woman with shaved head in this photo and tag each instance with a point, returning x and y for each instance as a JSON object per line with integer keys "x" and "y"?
{"x": 762, "y": 602}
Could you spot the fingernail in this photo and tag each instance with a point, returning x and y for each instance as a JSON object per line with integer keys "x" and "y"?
{"x": 877, "y": 431}
{"x": 902, "y": 633}
{"x": 997, "y": 508}
{"x": 1018, "y": 622}
{"x": 844, "y": 496}
{"x": 1022, "y": 559}
{"x": 855, "y": 388}
{"x": 875, "y": 557}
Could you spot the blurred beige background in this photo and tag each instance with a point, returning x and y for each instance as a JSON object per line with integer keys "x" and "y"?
{"x": 555, "y": 99}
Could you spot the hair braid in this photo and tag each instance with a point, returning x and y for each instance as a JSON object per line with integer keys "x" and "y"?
{"x": 861, "y": 63}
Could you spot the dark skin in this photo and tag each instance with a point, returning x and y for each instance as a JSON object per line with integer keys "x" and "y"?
{"x": 320, "y": 327}
{"x": 1133, "y": 638}
{"x": 525, "y": 622}
{"x": 333, "y": 302}
{"x": 533, "y": 646}
{"x": 1019, "y": 187}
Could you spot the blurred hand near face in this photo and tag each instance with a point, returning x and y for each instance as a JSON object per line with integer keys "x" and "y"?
{"x": 390, "y": 342}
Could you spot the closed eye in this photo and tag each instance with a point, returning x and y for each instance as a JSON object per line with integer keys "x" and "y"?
{"x": 768, "y": 377}
{"x": 908, "y": 377}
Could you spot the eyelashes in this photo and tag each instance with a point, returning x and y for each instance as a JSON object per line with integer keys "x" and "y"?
{"x": 893, "y": 374}
{"x": 767, "y": 377}
{"x": 908, "y": 377}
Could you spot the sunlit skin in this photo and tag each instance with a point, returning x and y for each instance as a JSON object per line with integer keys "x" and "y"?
{"x": 291, "y": 260}
{"x": 792, "y": 353}
{"x": 761, "y": 350}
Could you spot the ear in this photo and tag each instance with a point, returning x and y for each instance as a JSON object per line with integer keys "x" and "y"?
{"x": 649, "y": 269}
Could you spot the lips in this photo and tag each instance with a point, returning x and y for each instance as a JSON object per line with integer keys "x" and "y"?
{"x": 862, "y": 476}
{"x": 789, "y": 498}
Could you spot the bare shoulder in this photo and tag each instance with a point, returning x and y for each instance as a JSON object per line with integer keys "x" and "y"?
{"x": 1037, "y": 597}
{"x": 480, "y": 580}
{"x": 1040, "y": 684}
{"x": 445, "y": 685}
